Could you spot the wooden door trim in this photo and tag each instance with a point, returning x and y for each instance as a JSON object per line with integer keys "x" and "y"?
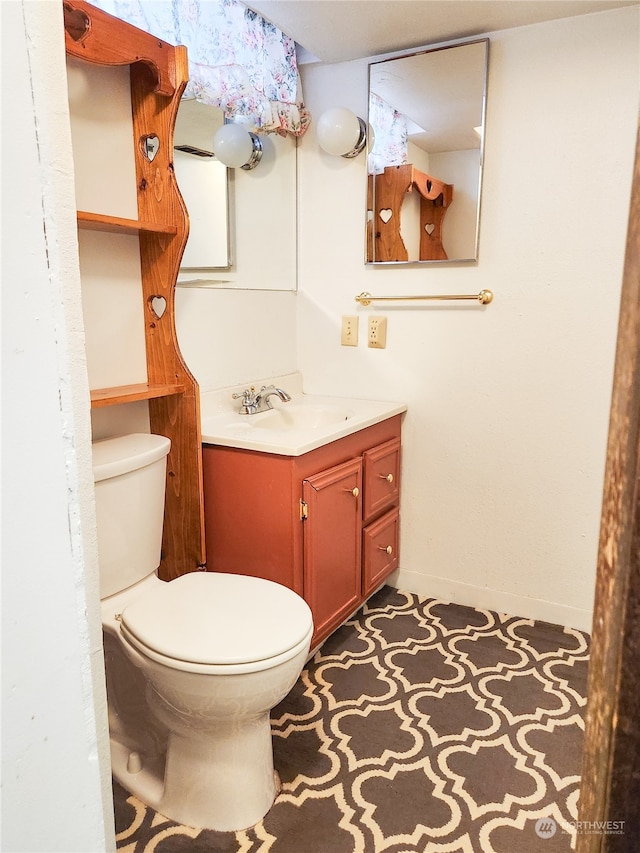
{"x": 610, "y": 784}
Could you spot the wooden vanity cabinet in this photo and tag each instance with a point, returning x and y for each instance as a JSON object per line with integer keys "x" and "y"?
{"x": 325, "y": 524}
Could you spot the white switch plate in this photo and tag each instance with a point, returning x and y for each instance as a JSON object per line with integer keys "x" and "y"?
{"x": 377, "y": 332}
{"x": 349, "y": 331}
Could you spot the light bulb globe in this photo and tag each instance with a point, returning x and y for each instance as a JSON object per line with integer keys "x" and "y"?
{"x": 341, "y": 132}
{"x": 232, "y": 145}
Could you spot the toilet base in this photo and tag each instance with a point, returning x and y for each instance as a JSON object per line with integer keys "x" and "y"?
{"x": 226, "y": 783}
{"x": 147, "y": 784}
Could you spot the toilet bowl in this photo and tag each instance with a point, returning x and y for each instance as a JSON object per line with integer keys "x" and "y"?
{"x": 194, "y": 667}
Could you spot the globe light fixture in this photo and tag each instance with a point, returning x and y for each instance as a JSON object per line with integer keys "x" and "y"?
{"x": 341, "y": 132}
{"x": 237, "y": 147}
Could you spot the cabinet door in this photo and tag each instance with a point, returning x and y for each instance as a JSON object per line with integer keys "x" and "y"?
{"x": 380, "y": 551}
{"x": 381, "y": 478}
{"x": 332, "y": 544}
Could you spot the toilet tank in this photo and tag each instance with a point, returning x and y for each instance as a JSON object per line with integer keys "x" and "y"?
{"x": 129, "y": 475}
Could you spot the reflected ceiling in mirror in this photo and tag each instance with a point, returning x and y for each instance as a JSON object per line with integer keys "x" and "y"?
{"x": 425, "y": 155}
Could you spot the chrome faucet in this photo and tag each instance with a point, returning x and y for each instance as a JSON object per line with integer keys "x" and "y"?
{"x": 255, "y": 402}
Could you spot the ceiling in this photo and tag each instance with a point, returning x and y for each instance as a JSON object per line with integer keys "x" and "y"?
{"x": 342, "y": 30}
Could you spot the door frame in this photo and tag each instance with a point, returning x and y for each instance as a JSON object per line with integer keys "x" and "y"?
{"x": 610, "y": 782}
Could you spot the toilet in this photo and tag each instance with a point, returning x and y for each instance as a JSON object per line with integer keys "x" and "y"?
{"x": 193, "y": 666}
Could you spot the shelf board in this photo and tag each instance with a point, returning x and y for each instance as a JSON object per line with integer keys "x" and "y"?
{"x": 131, "y": 393}
{"x": 118, "y": 225}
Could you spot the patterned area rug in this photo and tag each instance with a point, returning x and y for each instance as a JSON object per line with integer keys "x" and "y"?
{"x": 419, "y": 727}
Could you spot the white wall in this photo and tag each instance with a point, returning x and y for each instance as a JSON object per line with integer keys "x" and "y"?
{"x": 504, "y": 441}
{"x": 230, "y": 337}
{"x": 55, "y": 761}
{"x": 459, "y": 168}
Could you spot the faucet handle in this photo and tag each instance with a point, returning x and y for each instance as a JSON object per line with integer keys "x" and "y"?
{"x": 249, "y": 400}
{"x": 248, "y": 396}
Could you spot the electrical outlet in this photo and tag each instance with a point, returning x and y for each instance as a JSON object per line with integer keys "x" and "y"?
{"x": 349, "y": 332}
{"x": 378, "y": 332}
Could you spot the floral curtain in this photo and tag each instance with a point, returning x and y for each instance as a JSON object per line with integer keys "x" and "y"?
{"x": 237, "y": 60}
{"x": 390, "y": 136}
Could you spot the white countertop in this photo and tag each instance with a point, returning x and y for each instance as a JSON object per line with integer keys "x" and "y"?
{"x": 308, "y": 421}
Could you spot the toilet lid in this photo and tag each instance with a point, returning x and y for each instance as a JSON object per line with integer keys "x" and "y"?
{"x": 215, "y": 618}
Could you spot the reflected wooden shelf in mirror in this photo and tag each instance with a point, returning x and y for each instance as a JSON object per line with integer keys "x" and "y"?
{"x": 426, "y": 113}
{"x": 388, "y": 192}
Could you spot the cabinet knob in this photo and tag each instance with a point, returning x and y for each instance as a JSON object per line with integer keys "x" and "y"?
{"x": 387, "y": 477}
{"x": 355, "y": 492}
{"x": 388, "y": 549}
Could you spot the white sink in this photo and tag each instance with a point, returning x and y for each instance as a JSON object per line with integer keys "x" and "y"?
{"x": 306, "y": 422}
{"x": 299, "y": 416}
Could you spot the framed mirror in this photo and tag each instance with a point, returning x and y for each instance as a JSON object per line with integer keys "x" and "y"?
{"x": 425, "y": 154}
{"x": 242, "y": 224}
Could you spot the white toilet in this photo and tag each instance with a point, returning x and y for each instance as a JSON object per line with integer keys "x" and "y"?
{"x": 193, "y": 666}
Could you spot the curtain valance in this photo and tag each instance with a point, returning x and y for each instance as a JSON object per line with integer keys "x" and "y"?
{"x": 238, "y": 61}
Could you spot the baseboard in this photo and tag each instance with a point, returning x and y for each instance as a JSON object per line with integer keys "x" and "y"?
{"x": 491, "y": 599}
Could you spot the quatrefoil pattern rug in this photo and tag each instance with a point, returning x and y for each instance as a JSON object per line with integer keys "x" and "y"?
{"x": 419, "y": 727}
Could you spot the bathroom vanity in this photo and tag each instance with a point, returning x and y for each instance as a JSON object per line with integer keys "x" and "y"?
{"x": 321, "y": 515}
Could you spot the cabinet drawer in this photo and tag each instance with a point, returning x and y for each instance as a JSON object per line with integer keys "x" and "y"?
{"x": 380, "y": 550}
{"x": 381, "y": 478}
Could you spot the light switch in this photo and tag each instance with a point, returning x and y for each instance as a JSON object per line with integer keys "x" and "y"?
{"x": 349, "y": 331}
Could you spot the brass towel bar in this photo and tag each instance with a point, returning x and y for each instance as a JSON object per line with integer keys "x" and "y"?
{"x": 484, "y": 298}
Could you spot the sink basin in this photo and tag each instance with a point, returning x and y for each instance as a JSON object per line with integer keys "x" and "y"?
{"x": 295, "y": 416}
{"x": 306, "y": 422}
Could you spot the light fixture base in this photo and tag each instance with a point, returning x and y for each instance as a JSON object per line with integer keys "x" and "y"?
{"x": 256, "y": 154}
{"x": 361, "y": 141}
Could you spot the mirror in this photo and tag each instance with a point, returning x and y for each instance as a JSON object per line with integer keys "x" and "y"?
{"x": 425, "y": 154}
{"x": 204, "y": 186}
{"x": 242, "y": 224}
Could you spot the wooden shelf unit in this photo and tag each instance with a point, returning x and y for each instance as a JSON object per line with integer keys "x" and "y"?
{"x": 158, "y": 74}
{"x": 119, "y": 225}
{"x": 101, "y": 397}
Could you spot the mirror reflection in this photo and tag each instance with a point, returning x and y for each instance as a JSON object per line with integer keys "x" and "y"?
{"x": 242, "y": 223}
{"x": 425, "y": 153}
{"x": 202, "y": 179}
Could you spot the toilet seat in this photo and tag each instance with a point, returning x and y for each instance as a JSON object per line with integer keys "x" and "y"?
{"x": 214, "y": 622}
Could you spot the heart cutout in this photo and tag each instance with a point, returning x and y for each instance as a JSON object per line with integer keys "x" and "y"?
{"x": 158, "y": 305}
{"x": 385, "y": 215}
{"x": 150, "y": 146}
{"x": 76, "y": 23}
{"x": 429, "y": 228}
